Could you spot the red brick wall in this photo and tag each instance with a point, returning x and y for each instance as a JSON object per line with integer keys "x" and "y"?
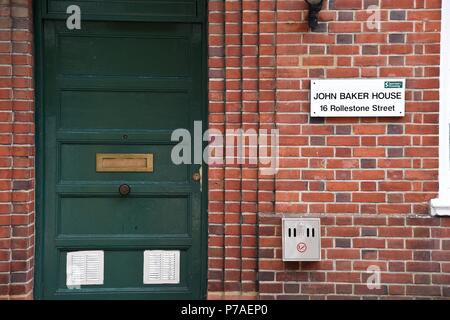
{"x": 16, "y": 150}
{"x": 370, "y": 179}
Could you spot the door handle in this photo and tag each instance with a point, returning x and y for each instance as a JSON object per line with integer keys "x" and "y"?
{"x": 197, "y": 176}
{"x": 124, "y": 190}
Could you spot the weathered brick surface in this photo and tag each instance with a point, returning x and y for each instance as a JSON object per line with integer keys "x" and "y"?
{"x": 370, "y": 179}
{"x": 412, "y": 263}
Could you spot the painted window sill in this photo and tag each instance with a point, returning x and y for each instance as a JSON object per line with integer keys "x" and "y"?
{"x": 440, "y": 207}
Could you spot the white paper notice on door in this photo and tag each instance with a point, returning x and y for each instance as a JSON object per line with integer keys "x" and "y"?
{"x": 84, "y": 268}
{"x": 161, "y": 267}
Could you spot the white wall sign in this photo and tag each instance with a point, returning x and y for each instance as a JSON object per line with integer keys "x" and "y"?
{"x": 358, "y": 98}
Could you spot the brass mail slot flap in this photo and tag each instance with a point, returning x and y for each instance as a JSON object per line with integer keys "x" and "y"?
{"x": 124, "y": 162}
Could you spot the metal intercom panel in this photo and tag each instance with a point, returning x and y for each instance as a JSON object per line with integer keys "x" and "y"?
{"x": 301, "y": 239}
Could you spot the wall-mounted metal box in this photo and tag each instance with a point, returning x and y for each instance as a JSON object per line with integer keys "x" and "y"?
{"x": 301, "y": 239}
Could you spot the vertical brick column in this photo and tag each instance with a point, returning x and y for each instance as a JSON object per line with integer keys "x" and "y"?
{"x": 242, "y": 96}
{"x": 6, "y": 118}
{"x": 233, "y": 172}
{"x": 216, "y": 117}
{"x": 250, "y": 124}
{"x": 16, "y": 150}
{"x": 267, "y": 113}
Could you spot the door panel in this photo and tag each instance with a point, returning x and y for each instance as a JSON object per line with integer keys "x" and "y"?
{"x": 137, "y": 115}
{"x": 120, "y": 88}
{"x": 125, "y": 279}
{"x": 130, "y": 51}
{"x": 154, "y": 216}
{"x": 138, "y": 9}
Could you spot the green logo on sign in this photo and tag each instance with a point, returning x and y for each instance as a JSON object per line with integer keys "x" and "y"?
{"x": 393, "y": 84}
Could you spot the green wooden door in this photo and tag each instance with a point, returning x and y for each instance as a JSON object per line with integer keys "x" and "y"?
{"x": 119, "y": 88}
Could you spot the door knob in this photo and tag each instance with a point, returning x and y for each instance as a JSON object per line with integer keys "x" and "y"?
{"x": 124, "y": 190}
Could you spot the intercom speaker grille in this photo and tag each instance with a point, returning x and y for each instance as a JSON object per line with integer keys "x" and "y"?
{"x": 84, "y": 268}
{"x": 161, "y": 267}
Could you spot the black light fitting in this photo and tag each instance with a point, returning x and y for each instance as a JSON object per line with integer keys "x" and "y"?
{"x": 313, "y": 17}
